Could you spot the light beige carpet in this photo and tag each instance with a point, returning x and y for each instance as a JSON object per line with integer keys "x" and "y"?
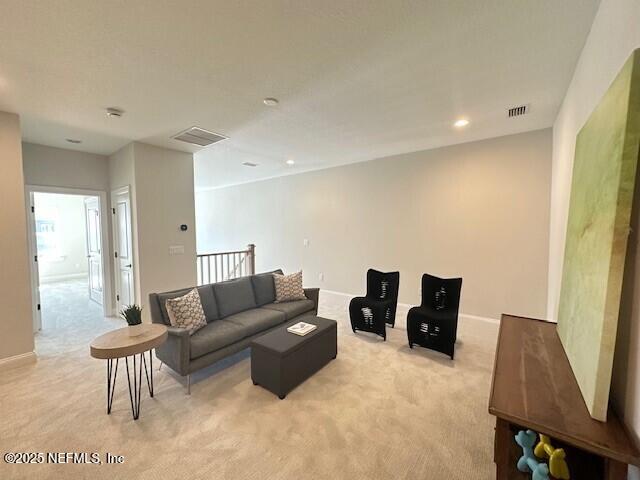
{"x": 379, "y": 411}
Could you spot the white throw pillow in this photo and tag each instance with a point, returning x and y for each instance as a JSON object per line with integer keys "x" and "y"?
{"x": 186, "y": 312}
{"x": 288, "y": 287}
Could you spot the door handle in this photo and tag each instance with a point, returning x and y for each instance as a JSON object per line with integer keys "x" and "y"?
{"x": 128, "y": 266}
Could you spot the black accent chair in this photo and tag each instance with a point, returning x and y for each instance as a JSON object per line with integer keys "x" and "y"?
{"x": 434, "y": 324}
{"x": 373, "y": 312}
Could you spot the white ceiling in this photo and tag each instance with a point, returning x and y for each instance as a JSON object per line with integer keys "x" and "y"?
{"x": 356, "y": 80}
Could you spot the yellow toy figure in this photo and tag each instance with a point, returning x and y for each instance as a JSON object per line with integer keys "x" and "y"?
{"x": 557, "y": 464}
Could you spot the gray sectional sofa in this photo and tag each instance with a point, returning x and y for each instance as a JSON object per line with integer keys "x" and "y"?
{"x": 237, "y": 312}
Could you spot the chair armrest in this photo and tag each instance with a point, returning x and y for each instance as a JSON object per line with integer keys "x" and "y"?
{"x": 378, "y": 307}
{"x": 314, "y": 295}
{"x": 176, "y": 351}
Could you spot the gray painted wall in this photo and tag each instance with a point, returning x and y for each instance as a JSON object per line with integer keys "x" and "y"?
{"x": 16, "y": 326}
{"x": 479, "y": 210}
{"x": 59, "y": 167}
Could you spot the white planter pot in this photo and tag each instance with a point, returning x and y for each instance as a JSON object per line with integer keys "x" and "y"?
{"x": 135, "y": 330}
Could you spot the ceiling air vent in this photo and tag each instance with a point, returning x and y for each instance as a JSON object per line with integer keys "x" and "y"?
{"x": 518, "y": 111}
{"x": 199, "y": 136}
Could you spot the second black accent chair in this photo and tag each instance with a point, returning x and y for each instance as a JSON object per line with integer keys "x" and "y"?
{"x": 434, "y": 324}
{"x": 378, "y": 308}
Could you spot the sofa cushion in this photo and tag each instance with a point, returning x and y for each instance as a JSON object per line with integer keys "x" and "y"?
{"x": 215, "y": 336}
{"x": 234, "y": 296}
{"x": 256, "y": 320}
{"x": 264, "y": 288}
{"x": 207, "y": 298}
{"x": 291, "y": 309}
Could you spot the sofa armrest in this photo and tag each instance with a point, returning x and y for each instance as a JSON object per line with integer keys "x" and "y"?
{"x": 176, "y": 351}
{"x": 178, "y": 331}
{"x": 313, "y": 294}
{"x": 154, "y": 308}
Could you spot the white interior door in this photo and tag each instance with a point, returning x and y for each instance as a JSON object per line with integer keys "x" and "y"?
{"x": 123, "y": 245}
{"x": 35, "y": 273}
{"x": 94, "y": 248}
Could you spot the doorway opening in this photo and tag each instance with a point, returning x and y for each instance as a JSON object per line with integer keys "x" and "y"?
{"x": 70, "y": 283}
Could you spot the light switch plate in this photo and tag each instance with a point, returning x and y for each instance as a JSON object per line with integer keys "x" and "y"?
{"x": 176, "y": 249}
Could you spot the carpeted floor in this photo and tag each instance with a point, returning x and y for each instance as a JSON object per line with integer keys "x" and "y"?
{"x": 379, "y": 411}
{"x": 69, "y": 317}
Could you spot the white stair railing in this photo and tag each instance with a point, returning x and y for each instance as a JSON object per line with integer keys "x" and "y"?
{"x": 221, "y": 266}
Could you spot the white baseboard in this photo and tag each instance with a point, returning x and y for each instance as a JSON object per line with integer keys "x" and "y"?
{"x": 337, "y": 298}
{"x": 18, "y": 360}
{"x": 480, "y": 319}
{"x": 62, "y": 278}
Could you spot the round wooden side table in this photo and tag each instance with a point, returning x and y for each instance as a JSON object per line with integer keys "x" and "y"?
{"x": 117, "y": 344}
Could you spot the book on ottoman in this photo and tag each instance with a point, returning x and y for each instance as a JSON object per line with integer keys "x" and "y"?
{"x": 301, "y": 328}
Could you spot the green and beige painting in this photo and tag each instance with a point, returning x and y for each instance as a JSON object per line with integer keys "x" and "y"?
{"x": 602, "y": 190}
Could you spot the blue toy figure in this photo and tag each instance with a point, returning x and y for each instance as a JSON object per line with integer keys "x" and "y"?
{"x": 528, "y": 462}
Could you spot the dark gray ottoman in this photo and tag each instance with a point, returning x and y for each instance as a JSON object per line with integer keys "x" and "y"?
{"x": 280, "y": 361}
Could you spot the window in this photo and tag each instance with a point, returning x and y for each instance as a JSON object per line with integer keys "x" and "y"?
{"x": 47, "y": 235}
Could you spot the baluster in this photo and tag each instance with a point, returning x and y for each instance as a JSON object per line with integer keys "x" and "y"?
{"x": 226, "y": 265}
{"x": 252, "y": 258}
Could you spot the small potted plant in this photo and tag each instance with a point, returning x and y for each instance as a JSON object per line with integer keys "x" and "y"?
{"x": 133, "y": 315}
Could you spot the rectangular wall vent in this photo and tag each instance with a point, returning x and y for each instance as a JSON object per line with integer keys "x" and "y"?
{"x": 518, "y": 111}
{"x": 249, "y": 164}
{"x": 199, "y": 136}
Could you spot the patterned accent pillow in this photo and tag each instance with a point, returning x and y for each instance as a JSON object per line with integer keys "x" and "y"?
{"x": 288, "y": 287}
{"x": 186, "y": 312}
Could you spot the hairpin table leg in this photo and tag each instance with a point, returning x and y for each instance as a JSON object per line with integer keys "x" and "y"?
{"x": 112, "y": 374}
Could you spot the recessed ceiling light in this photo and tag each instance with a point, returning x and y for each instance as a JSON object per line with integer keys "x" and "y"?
{"x": 290, "y": 162}
{"x": 113, "y": 112}
{"x": 270, "y": 101}
{"x": 73, "y": 140}
{"x": 463, "y": 122}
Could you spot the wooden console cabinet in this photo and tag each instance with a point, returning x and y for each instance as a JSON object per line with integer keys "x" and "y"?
{"x": 534, "y": 388}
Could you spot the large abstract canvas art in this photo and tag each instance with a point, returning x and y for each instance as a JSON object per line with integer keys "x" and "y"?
{"x": 602, "y": 190}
